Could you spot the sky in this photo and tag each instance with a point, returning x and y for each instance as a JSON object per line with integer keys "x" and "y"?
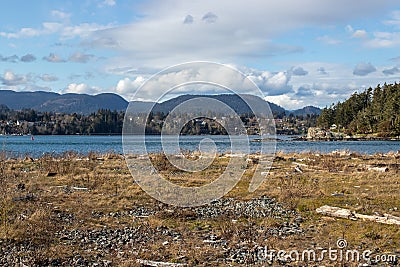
{"x": 298, "y": 53}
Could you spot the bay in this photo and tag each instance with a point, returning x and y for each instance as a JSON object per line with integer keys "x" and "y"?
{"x": 21, "y": 146}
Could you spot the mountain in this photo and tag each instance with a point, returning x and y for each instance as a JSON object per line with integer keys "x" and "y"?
{"x": 86, "y": 104}
{"x": 62, "y": 103}
{"x": 304, "y": 111}
{"x": 21, "y": 100}
{"x": 234, "y": 101}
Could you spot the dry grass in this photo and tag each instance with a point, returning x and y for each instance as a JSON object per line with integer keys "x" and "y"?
{"x": 33, "y": 192}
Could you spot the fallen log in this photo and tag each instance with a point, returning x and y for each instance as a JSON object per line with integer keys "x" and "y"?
{"x": 335, "y": 212}
{"x": 159, "y": 263}
{"x": 378, "y": 169}
{"x": 347, "y": 214}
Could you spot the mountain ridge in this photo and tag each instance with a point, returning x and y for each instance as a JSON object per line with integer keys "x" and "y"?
{"x": 85, "y": 104}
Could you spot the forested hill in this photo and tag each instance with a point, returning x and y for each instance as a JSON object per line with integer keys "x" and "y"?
{"x": 374, "y": 111}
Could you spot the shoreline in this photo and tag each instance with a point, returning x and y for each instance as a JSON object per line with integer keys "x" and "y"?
{"x": 112, "y": 154}
{"x": 294, "y": 137}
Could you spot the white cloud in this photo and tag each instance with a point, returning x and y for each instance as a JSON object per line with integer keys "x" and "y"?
{"x": 329, "y": 40}
{"x": 81, "y": 88}
{"x": 272, "y": 83}
{"x": 80, "y": 57}
{"x": 395, "y": 19}
{"x": 48, "y": 78}
{"x": 46, "y": 29}
{"x": 206, "y": 79}
{"x": 360, "y": 34}
{"x": 11, "y": 79}
{"x": 286, "y": 101}
{"x": 349, "y": 29}
{"x": 384, "y": 40}
{"x": 54, "y": 58}
{"x": 234, "y": 34}
{"x": 60, "y": 15}
{"x": 129, "y": 87}
{"x": 65, "y": 31}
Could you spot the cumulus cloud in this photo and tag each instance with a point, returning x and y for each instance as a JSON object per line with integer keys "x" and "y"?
{"x": 363, "y": 69}
{"x": 188, "y": 19}
{"x": 11, "y": 79}
{"x": 28, "y": 58}
{"x": 81, "y": 88}
{"x": 360, "y": 34}
{"x": 80, "y": 57}
{"x": 48, "y": 78}
{"x": 11, "y": 59}
{"x": 127, "y": 86}
{"x": 54, "y": 58}
{"x": 286, "y": 101}
{"x": 299, "y": 71}
{"x": 391, "y": 71}
{"x": 210, "y": 17}
{"x": 356, "y": 33}
{"x": 272, "y": 83}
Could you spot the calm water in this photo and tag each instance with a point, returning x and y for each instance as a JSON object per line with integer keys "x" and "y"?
{"x": 20, "y": 146}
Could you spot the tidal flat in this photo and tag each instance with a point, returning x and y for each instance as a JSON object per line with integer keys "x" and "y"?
{"x": 74, "y": 210}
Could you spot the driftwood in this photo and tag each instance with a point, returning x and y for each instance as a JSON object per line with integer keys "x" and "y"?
{"x": 79, "y": 188}
{"x": 347, "y": 214}
{"x": 378, "y": 169}
{"x": 158, "y": 263}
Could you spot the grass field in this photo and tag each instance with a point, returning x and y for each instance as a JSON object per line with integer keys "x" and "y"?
{"x": 88, "y": 210}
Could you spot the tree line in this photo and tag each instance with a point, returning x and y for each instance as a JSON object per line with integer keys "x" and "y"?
{"x": 373, "y": 111}
{"x": 29, "y": 121}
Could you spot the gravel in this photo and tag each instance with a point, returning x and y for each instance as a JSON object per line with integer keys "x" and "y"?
{"x": 106, "y": 246}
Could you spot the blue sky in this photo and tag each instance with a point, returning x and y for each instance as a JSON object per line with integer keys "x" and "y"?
{"x": 298, "y": 52}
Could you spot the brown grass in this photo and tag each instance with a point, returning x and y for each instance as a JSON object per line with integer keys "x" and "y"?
{"x": 338, "y": 180}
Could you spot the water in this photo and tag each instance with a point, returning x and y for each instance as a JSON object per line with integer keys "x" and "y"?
{"x": 20, "y": 146}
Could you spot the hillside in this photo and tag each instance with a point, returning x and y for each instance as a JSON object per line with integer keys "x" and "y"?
{"x": 66, "y": 103}
{"x": 304, "y": 111}
{"x": 86, "y": 104}
{"x": 372, "y": 112}
{"x": 234, "y": 101}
